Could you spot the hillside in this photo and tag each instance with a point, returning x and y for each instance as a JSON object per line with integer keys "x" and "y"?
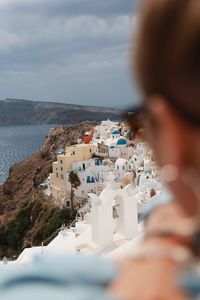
{"x": 26, "y": 112}
{"x": 27, "y": 217}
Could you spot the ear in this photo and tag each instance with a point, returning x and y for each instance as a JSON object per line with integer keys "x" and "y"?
{"x": 169, "y": 138}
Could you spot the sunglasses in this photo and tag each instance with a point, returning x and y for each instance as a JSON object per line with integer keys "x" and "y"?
{"x": 136, "y": 117}
{"x": 183, "y": 112}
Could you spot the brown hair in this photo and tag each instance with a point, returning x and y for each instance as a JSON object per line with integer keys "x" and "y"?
{"x": 167, "y": 57}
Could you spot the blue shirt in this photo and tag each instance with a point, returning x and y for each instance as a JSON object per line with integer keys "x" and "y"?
{"x": 52, "y": 277}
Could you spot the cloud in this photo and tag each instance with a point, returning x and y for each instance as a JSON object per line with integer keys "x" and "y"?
{"x": 49, "y": 47}
{"x": 80, "y": 7}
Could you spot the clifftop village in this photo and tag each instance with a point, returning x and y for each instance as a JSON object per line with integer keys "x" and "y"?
{"x": 110, "y": 179}
{"x": 103, "y": 153}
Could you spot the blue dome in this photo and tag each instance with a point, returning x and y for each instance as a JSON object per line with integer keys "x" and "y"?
{"x": 121, "y": 142}
{"x": 115, "y": 132}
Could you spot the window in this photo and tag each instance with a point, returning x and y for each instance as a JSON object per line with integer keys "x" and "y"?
{"x": 68, "y": 204}
{"x": 61, "y": 168}
{"x": 62, "y": 177}
{"x": 57, "y": 175}
{"x": 61, "y": 161}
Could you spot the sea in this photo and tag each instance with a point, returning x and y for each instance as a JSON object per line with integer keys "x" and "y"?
{"x": 19, "y": 142}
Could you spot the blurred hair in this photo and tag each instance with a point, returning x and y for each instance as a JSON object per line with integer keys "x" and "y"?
{"x": 167, "y": 57}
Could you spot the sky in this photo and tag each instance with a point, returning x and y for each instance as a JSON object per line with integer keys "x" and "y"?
{"x": 73, "y": 51}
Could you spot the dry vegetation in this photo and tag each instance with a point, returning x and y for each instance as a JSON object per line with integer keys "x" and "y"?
{"x": 27, "y": 217}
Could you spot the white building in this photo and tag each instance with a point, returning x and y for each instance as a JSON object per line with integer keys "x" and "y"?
{"x": 127, "y": 152}
{"x": 103, "y": 130}
{"x": 116, "y": 146}
{"x": 115, "y": 134}
{"x": 113, "y": 212}
{"x": 122, "y": 166}
{"x": 92, "y": 174}
{"x": 62, "y": 166}
{"x": 142, "y": 149}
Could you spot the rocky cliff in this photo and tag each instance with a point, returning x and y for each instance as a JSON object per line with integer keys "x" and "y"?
{"x": 26, "y": 217}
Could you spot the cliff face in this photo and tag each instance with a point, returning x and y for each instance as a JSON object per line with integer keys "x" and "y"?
{"x": 24, "y": 112}
{"x": 26, "y": 217}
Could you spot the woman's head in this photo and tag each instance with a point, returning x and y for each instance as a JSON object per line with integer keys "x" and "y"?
{"x": 167, "y": 52}
{"x": 167, "y": 63}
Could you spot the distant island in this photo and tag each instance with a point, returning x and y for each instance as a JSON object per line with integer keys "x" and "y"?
{"x": 27, "y": 112}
